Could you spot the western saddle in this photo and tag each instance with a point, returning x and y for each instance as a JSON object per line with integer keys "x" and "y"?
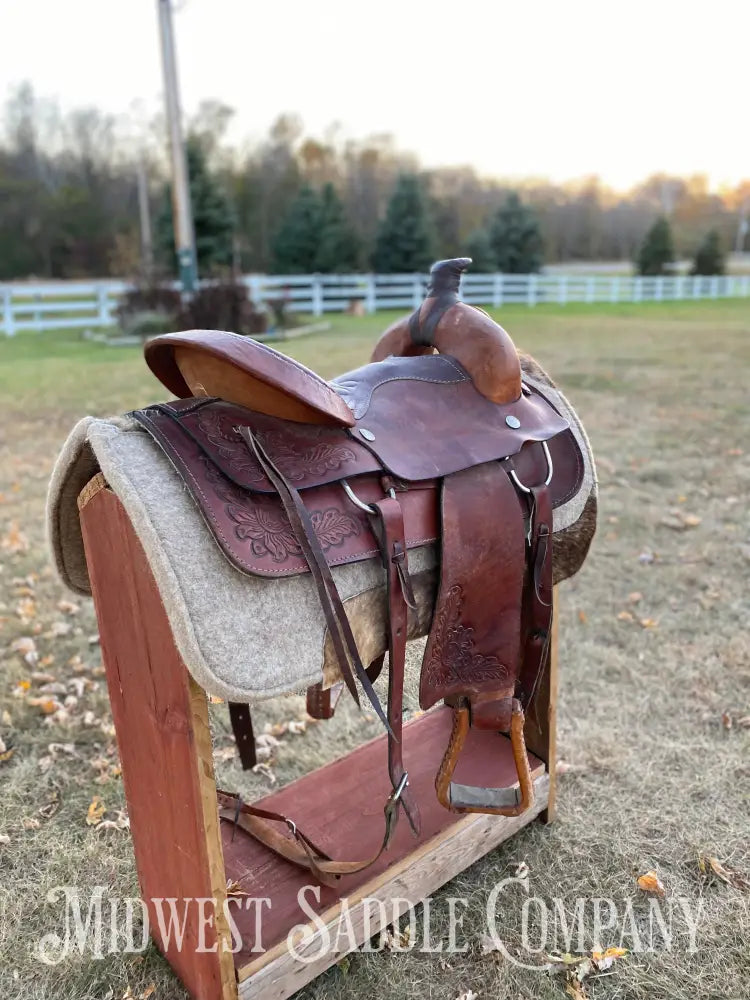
{"x": 437, "y": 439}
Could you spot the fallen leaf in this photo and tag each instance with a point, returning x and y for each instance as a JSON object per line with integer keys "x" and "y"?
{"x": 95, "y": 811}
{"x": 582, "y": 617}
{"x": 4, "y": 839}
{"x": 15, "y": 540}
{"x": 648, "y": 622}
{"x": 30, "y": 823}
{"x": 744, "y": 722}
{"x": 635, "y": 596}
{"x": 27, "y": 648}
{"x": 650, "y": 883}
{"x": 149, "y": 991}
{"x": 235, "y": 889}
{"x": 574, "y": 988}
{"x": 297, "y": 727}
{"x": 727, "y": 875}
{"x": 726, "y": 720}
{"x": 691, "y": 520}
{"x": 68, "y": 607}
{"x": 625, "y": 616}
{"x": 604, "y": 960}
{"x": 48, "y": 706}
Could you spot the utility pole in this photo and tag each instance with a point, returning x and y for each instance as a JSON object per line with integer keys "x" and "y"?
{"x": 147, "y": 246}
{"x": 181, "y": 211}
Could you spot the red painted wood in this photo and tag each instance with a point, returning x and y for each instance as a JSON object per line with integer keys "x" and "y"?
{"x": 340, "y": 807}
{"x": 148, "y": 689}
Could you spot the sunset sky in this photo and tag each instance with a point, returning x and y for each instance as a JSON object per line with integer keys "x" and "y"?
{"x": 556, "y": 90}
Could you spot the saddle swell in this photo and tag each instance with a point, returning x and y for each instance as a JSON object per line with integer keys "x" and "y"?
{"x": 454, "y": 449}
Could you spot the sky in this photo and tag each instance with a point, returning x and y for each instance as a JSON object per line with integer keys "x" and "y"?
{"x": 545, "y": 89}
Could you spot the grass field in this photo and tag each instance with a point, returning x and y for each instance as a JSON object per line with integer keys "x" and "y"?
{"x": 654, "y": 712}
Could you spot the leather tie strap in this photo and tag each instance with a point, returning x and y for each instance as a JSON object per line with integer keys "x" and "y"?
{"x": 337, "y": 621}
{"x": 299, "y": 848}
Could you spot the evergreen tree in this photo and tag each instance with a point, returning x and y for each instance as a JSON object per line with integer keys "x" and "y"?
{"x": 709, "y": 258}
{"x": 338, "y": 246}
{"x": 479, "y": 248}
{"x": 656, "y": 250}
{"x": 295, "y": 246}
{"x": 213, "y": 217}
{"x": 405, "y": 241}
{"x": 515, "y": 238}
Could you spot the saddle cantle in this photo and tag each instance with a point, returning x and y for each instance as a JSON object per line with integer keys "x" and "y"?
{"x": 294, "y": 475}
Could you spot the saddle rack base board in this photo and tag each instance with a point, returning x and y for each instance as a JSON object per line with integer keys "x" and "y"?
{"x": 183, "y": 850}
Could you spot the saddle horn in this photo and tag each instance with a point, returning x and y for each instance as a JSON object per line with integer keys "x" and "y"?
{"x": 468, "y": 334}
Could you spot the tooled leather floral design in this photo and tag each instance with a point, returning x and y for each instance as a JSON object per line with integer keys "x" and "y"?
{"x": 266, "y": 527}
{"x": 313, "y": 458}
{"x": 454, "y": 659}
{"x": 219, "y": 429}
{"x": 261, "y": 519}
{"x": 297, "y": 454}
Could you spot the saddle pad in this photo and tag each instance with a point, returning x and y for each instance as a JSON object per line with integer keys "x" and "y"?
{"x": 245, "y": 638}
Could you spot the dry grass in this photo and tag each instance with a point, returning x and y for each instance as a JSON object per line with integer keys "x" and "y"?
{"x": 657, "y": 777}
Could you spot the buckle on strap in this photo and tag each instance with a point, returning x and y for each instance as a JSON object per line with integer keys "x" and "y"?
{"x": 390, "y": 810}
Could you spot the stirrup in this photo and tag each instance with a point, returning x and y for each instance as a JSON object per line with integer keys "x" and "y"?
{"x": 473, "y": 798}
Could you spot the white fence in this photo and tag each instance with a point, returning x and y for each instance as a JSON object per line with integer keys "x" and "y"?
{"x": 79, "y": 305}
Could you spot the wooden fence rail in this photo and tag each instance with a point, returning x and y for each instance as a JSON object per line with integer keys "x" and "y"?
{"x": 92, "y": 305}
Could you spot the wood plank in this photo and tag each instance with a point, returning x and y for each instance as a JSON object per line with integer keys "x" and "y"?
{"x": 279, "y": 973}
{"x": 161, "y": 720}
{"x": 340, "y": 807}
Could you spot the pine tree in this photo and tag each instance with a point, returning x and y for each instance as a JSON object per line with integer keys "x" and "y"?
{"x": 295, "y": 246}
{"x": 656, "y": 250}
{"x": 515, "y": 238}
{"x": 213, "y": 217}
{"x": 338, "y": 246}
{"x": 479, "y": 248}
{"x": 405, "y": 241}
{"x": 709, "y": 258}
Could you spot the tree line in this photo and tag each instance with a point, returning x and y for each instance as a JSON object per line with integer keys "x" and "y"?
{"x": 294, "y": 203}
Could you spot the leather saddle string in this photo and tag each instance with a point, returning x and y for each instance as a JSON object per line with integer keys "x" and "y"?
{"x": 388, "y": 522}
{"x": 298, "y": 848}
{"x": 339, "y": 628}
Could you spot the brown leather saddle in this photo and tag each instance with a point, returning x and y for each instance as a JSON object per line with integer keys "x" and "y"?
{"x": 295, "y": 475}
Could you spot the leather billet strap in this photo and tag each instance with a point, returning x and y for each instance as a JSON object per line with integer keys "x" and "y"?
{"x": 388, "y": 527}
{"x": 510, "y": 801}
{"x": 297, "y": 847}
{"x": 538, "y": 601}
{"x": 337, "y": 621}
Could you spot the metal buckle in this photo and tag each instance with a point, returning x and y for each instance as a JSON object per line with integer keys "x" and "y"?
{"x": 550, "y": 470}
{"x": 368, "y": 508}
{"x": 399, "y": 790}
